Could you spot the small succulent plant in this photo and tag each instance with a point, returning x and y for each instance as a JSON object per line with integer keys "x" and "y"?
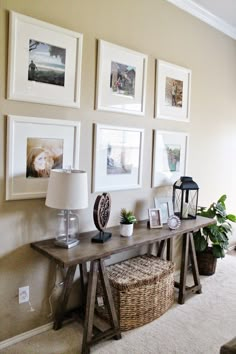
{"x": 127, "y": 217}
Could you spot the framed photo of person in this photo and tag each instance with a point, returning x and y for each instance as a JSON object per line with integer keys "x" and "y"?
{"x": 169, "y": 157}
{"x": 154, "y": 218}
{"x": 117, "y": 158}
{"x": 34, "y": 147}
{"x": 166, "y": 207}
{"x": 173, "y": 87}
{"x": 121, "y": 79}
{"x": 44, "y": 62}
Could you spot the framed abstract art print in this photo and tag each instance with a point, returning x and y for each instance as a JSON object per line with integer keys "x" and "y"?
{"x": 34, "y": 147}
{"x": 169, "y": 157}
{"x": 173, "y": 86}
{"x": 117, "y": 158}
{"x": 44, "y": 62}
{"x": 121, "y": 79}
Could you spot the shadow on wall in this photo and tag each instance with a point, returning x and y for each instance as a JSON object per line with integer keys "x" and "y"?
{"x": 22, "y": 222}
{"x": 26, "y": 267}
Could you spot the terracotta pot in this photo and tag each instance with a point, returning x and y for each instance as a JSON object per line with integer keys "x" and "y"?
{"x": 126, "y": 230}
{"x": 206, "y": 262}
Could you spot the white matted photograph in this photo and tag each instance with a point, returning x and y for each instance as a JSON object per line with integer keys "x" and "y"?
{"x": 44, "y": 62}
{"x": 173, "y": 87}
{"x": 117, "y": 158}
{"x": 121, "y": 79}
{"x": 154, "y": 218}
{"x": 165, "y": 205}
{"x": 35, "y": 146}
{"x": 169, "y": 157}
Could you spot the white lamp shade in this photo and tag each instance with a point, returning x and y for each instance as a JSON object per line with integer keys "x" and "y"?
{"x": 67, "y": 190}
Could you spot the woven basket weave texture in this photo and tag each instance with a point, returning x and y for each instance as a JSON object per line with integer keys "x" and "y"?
{"x": 142, "y": 288}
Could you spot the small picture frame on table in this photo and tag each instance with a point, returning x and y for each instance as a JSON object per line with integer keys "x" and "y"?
{"x": 166, "y": 207}
{"x": 154, "y": 218}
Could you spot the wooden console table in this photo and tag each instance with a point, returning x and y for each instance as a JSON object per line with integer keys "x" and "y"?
{"x": 97, "y": 253}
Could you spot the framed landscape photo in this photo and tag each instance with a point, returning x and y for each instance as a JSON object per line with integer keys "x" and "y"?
{"x": 121, "y": 79}
{"x": 44, "y": 62}
{"x": 166, "y": 207}
{"x": 154, "y": 218}
{"x": 34, "y": 147}
{"x": 117, "y": 158}
{"x": 173, "y": 86}
{"x": 169, "y": 157}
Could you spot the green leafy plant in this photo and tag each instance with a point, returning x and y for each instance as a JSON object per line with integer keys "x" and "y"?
{"x": 217, "y": 235}
{"x": 127, "y": 217}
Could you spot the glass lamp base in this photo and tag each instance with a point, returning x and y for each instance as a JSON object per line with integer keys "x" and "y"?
{"x": 66, "y": 244}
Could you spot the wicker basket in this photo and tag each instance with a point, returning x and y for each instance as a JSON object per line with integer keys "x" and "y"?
{"x": 142, "y": 288}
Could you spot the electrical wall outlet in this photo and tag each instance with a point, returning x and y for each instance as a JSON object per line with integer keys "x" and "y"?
{"x": 24, "y": 294}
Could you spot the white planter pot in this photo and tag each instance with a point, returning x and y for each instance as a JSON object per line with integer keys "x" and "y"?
{"x": 126, "y": 230}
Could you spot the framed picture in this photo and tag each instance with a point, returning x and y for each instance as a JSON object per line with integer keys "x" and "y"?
{"x": 169, "y": 157}
{"x": 154, "y": 218}
{"x": 173, "y": 85}
{"x": 166, "y": 208}
{"x": 117, "y": 158}
{"x": 121, "y": 79}
{"x": 44, "y": 62}
{"x": 34, "y": 147}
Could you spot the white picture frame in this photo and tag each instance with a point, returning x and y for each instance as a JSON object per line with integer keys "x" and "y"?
{"x": 118, "y": 153}
{"x": 173, "y": 88}
{"x": 34, "y": 146}
{"x": 44, "y": 62}
{"x": 154, "y": 218}
{"x": 165, "y": 205}
{"x": 121, "y": 79}
{"x": 169, "y": 157}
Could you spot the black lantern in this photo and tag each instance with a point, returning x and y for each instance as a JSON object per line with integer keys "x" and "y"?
{"x": 185, "y": 198}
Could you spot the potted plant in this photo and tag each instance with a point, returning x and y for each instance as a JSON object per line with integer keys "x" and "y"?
{"x": 127, "y": 220}
{"x": 212, "y": 241}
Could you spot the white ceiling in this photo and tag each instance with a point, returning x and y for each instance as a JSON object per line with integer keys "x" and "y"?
{"x": 220, "y": 14}
{"x": 224, "y": 9}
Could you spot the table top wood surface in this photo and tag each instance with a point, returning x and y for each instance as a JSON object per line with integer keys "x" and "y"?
{"x": 88, "y": 251}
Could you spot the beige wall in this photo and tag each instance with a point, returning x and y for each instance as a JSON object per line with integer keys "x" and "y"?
{"x": 160, "y": 30}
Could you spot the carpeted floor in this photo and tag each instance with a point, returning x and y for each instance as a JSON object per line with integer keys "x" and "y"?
{"x": 200, "y": 326}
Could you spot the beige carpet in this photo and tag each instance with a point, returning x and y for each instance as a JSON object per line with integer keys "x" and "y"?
{"x": 200, "y": 326}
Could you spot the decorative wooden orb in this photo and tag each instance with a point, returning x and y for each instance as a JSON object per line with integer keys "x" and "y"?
{"x": 101, "y": 213}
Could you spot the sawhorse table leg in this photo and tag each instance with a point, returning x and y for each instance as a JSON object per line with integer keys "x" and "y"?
{"x": 97, "y": 266}
{"x": 188, "y": 249}
{"x": 64, "y": 297}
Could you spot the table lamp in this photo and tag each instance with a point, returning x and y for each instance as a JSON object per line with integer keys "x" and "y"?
{"x": 67, "y": 191}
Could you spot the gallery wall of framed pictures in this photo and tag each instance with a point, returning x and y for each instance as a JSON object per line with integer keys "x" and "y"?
{"x": 44, "y": 62}
{"x": 121, "y": 79}
{"x": 169, "y": 157}
{"x": 34, "y": 147}
{"x": 117, "y": 162}
{"x": 172, "y": 99}
{"x": 44, "y": 67}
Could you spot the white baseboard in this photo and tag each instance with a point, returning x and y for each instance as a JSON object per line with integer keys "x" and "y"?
{"x": 232, "y": 247}
{"x": 25, "y": 335}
